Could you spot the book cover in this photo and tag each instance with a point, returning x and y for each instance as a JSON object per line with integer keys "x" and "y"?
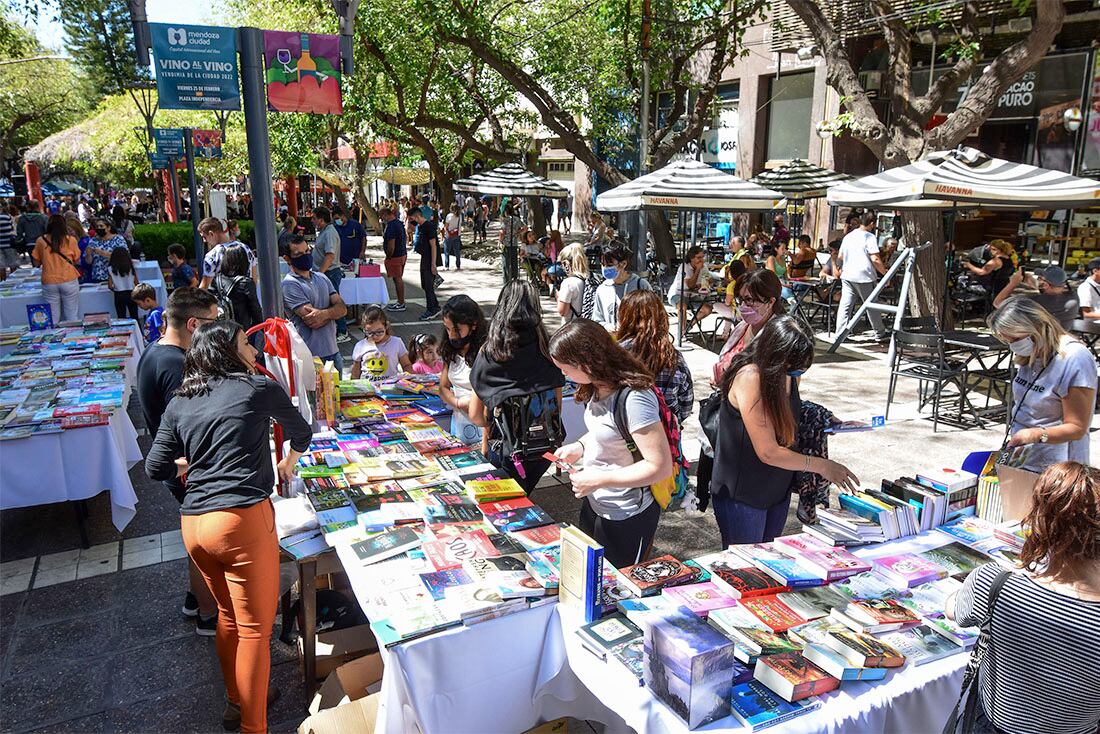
{"x": 581, "y": 573}
{"x": 793, "y": 677}
{"x": 921, "y": 644}
{"x": 437, "y": 582}
{"x": 451, "y": 552}
{"x": 744, "y": 583}
{"x": 800, "y": 543}
{"x": 869, "y": 586}
{"x": 969, "y": 530}
{"x": 610, "y": 631}
{"x": 544, "y": 564}
{"x": 85, "y": 420}
{"x": 930, "y": 599}
{"x": 492, "y": 508}
{"x": 908, "y": 569}
{"x": 649, "y": 577}
{"x": 777, "y": 564}
{"x": 490, "y": 490}
{"x": 523, "y": 518}
{"x": 864, "y": 651}
{"x": 539, "y": 537}
{"x": 832, "y": 564}
{"x": 328, "y": 499}
{"x": 386, "y": 545}
{"x": 815, "y": 632}
{"x": 814, "y": 602}
{"x": 837, "y": 666}
{"x": 700, "y": 598}
{"x": 771, "y": 611}
{"x": 964, "y": 636}
{"x": 505, "y": 544}
{"x": 632, "y": 655}
{"x": 880, "y": 612}
{"x": 955, "y": 558}
{"x": 761, "y": 642}
{"x": 757, "y": 707}
{"x": 458, "y": 462}
{"x": 735, "y": 617}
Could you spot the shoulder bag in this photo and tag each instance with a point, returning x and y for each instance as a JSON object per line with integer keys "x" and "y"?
{"x": 961, "y": 720}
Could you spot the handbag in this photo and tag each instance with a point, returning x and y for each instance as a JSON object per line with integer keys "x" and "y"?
{"x": 961, "y": 720}
{"x": 710, "y": 409}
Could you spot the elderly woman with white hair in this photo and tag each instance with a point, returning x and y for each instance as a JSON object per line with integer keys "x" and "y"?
{"x": 1054, "y": 391}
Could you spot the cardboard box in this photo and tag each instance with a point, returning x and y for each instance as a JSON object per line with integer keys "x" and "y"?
{"x": 341, "y": 646}
{"x": 350, "y": 682}
{"x": 355, "y": 717}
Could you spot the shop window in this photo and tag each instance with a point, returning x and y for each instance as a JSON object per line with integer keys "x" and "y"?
{"x": 790, "y": 103}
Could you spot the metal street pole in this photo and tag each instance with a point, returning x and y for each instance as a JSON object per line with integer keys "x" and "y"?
{"x": 193, "y": 192}
{"x": 251, "y": 43}
{"x": 173, "y": 186}
{"x": 643, "y": 144}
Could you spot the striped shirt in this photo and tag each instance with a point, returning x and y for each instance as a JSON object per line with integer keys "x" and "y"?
{"x": 7, "y": 230}
{"x": 1042, "y": 671}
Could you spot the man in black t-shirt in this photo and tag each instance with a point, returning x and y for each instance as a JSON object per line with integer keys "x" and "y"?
{"x": 427, "y": 246}
{"x": 159, "y": 373}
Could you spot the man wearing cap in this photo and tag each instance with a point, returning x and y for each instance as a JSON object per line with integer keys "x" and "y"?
{"x": 1053, "y": 293}
{"x": 427, "y": 246}
{"x": 1088, "y": 293}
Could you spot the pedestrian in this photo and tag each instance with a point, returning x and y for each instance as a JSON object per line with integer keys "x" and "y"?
{"x": 395, "y": 251}
{"x": 122, "y": 225}
{"x": 452, "y": 242}
{"x": 571, "y": 292}
{"x": 312, "y": 304}
{"x": 597, "y": 230}
{"x": 217, "y": 431}
{"x": 159, "y": 373}
{"x": 618, "y": 281}
{"x": 56, "y": 252}
{"x": 512, "y": 231}
{"x": 9, "y": 258}
{"x": 326, "y": 259}
{"x": 465, "y": 330}
{"x": 290, "y": 228}
{"x": 780, "y": 233}
{"x": 482, "y": 221}
{"x": 214, "y": 234}
{"x": 1054, "y": 390}
{"x": 547, "y": 205}
{"x": 643, "y": 331}
{"x": 804, "y": 258}
{"x": 353, "y": 238}
{"x": 31, "y": 226}
{"x": 1039, "y": 671}
{"x": 565, "y": 214}
{"x": 427, "y": 246}
{"x": 122, "y": 278}
{"x": 233, "y": 287}
{"x": 1053, "y": 293}
{"x": 1088, "y": 293}
{"x": 379, "y": 354}
{"x": 183, "y": 275}
{"x": 618, "y": 509}
{"x": 860, "y": 267}
{"x": 692, "y": 281}
{"x": 755, "y": 460}
{"x": 146, "y": 299}
{"x": 517, "y": 388}
{"x": 100, "y": 250}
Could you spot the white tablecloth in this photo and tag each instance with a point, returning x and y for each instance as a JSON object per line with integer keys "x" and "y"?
{"x": 148, "y": 270}
{"x": 98, "y": 299}
{"x": 364, "y": 290}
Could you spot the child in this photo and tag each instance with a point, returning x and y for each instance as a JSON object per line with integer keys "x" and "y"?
{"x": 380, "y": 354}
{"x": 425, "y": 355}
{"x": 183, "y": 275}
{"x": 122, "y": 279}
{"x": 146, "y": 299}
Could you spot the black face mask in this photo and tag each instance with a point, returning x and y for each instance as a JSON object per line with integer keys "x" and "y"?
{"x": 459, "y": 342}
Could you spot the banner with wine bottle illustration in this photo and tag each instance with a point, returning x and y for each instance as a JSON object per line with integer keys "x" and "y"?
{"x": 303, "y": 72}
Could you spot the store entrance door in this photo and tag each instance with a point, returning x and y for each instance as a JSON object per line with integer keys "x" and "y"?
{"x": 1010, "y": 140}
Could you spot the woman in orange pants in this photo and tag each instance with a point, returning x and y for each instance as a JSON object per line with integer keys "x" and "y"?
{"x": 216, "y": 430}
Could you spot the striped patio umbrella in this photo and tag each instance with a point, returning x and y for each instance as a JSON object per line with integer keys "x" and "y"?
{"x": 799, "y": 179}
{"x": 511, "y": 179}
{"x": 688, "y": 185}
{"x": 967, "y": 178}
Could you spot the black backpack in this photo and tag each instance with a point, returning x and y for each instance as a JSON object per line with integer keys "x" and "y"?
{"x": 527, "y": 426}
{"x": 222, "y": 292}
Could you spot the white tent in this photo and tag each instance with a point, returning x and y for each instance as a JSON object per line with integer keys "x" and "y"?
{"x": 967, "y": 178}
{"x": 798, "y": 179}
{"x": 690, "y": 186}
{"x": 511, "y": 179}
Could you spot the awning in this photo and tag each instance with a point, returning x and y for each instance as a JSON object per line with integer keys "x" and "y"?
{"x": 691, "y": 186}
{"x": 799, "y": 179}
{"x": 511, "y": 179}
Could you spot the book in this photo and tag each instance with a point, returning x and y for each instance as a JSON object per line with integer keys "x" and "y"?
{"x": 581, "y": 573}
{"x": 837, "y": 666}
{"x": 632, "y": 655}
{"x": 947, "y": 480}
{"x": 908, "y": 569}
{"x": 521, "y": 519}
{"x": 930, "y": 599}
{"x": 700, "y": 598}
{"x": 869, "y": 586}
{"x": 757, "y": 707}
{"x": 815, "y": 632}
{"x": 386, "y": 545}
{"x": 649, "y": 577}
{"x": 955, "y": 558}
{"x": 543, "y": 565}
{"x": 964, "y": 636}
{"x": 505, "y": 544}
{"x": 86, "y": 420}
{"x": 452, "y": 552}
{"x": 489, "y": 490}
{"x": 793, "y": 677}
{"x": 799, "y": 543}
{"x": 538, "y": 537}
{"x": 774, "y": 613}
{"x": 871, "y": 616}
{"x": 732, "y": 575}
{"x": 864, "y": 651}
{"x": 969, "y": 530}
{"x": 921, "y": 644}
{"x": 507, "y": 574}
{"x": 781, "y": 566}
{"x": 464, "y": 460}
{"x": 609, "y": 632}
{"x": 755, "y": 642}
{"x": 832, "y": 564}
{"x": 813, "y": 603}
{"x": 437, "y": 582}
{"x": 727, "y": 619}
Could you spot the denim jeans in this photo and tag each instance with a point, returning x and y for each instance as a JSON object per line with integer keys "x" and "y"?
{"x": 337, "y": 361}
{"x": 336, "y": 275}
{"x": 452, "y": 246}
{"x": 740, "y": 523}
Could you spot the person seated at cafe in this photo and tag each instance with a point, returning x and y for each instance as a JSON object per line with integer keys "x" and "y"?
{"x": 692, "y": 280}
{"x": 803, "y": 258}
{"x": 830, "y": 271}
{"x": 743, "y": 252}
{"x": 727, "y": 307}
{"x": 1052, "y": 293}
{"x": 995, "y": 272}
{"x": 1088, "y": 293}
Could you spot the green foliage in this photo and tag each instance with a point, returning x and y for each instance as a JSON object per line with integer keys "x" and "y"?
{"x": 155, "y": 238}
{"x": 99, "y": 37}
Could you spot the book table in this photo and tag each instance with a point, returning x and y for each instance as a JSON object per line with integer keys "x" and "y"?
{"x": 94, "y": 298}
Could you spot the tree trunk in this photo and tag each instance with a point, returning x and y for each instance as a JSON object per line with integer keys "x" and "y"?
{"x": 538, "y": 222}
{"x": 661, "y": 234}
{"x": 929, "y": 284}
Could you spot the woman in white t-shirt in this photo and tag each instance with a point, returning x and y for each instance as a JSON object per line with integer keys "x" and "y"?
{"x": 465, "y": 331}
{"x": 452, "y": 241}
{"x": 571, "y": 290}
{"x": 1054, "y": 390}
{"x": 619, "y": 510}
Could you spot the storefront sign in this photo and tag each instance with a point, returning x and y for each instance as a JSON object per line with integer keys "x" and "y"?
{"x": 716, "y": 146}
{"x": 170, "y": 142}
{"x": 207, "y": 143}
{"x": 196, "y": 67}
{"x": 303, "y": 72}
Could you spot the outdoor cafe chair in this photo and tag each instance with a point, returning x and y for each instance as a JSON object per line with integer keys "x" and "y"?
{"x": 921, "y": 357}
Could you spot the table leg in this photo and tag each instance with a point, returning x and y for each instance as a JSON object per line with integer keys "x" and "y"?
{"x": 307, "y": 579}
{"x": 81, "y": 509}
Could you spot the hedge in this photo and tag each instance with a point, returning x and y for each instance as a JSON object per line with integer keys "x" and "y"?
{"x": 155, "y": 238}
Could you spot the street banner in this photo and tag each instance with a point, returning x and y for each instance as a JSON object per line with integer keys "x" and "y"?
{"x": 170, "y": 142}
{"x": 207, "y": 143}
{"x": 196, "y": 67}
{"x": 158, "y": 162}
{"x": 303, "y": 72}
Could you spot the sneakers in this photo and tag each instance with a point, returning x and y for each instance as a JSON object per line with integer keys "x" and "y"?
{"x": 190, "y": 606}
{"x": 438, "y": 280}
{"x": 343, "y": 338}
{"x": 429, "y": 315}
{"x": 231, "y": 716}
{"x": 206, "y": 627}
{"x": 396, "y": 307}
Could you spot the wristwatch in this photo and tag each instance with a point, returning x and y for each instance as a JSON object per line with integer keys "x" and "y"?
{"x": 1044, "y": 437}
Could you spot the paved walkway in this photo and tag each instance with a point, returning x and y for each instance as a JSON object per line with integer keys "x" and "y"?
{"x": 93, "y": 641}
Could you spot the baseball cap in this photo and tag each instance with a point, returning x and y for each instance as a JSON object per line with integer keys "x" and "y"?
{"x": 1053, "y": 275}
{"x": 1094, "y": 264}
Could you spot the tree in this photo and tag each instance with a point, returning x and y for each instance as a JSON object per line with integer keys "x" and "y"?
{"x": 579, "y": 60}
{"x": 29, "y": 109}
{"x": 901, "y": 135}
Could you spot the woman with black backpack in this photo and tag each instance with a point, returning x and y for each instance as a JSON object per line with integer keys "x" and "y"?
{"x": 236, "y": 291}
{"x": 517, "y": 388}
{"x": 615, "y": 471}
{"x": 576, "y": 294}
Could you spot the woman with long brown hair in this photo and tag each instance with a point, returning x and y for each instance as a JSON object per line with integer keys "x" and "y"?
{"x": 754, "y": 462}
{"x": 643, "y": 331}
{"x": 619, "y": 509}
{"x": 1039, "y": 673}
{"x": 57, "y": 254}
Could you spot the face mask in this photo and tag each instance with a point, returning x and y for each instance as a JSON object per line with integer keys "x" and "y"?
{"x": 459, "y": 342}
{"x": 1022, "y": 347}
{"x": 610, "y": 273}
{"x": 752, "y": 316}
{"x": 338, "y": 222}
{"x": 795, "y": 373}
{"x": 302, "y": 262}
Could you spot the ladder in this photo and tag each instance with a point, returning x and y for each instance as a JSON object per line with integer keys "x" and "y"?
{"x": 907, "y": 259}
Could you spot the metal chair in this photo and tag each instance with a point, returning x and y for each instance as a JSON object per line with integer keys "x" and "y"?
{"x": 921, "y": 357}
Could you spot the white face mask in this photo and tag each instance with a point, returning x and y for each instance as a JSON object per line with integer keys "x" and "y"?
{"x": 1022, "y": 347}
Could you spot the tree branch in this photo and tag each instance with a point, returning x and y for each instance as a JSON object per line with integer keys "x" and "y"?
{"x": 924, "y": 107}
